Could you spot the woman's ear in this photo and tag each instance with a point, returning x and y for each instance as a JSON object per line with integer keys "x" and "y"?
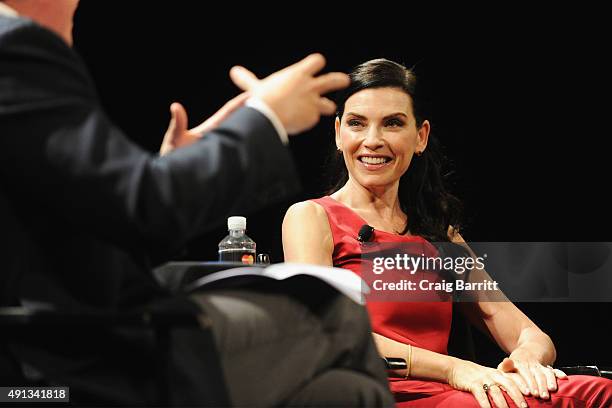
{"x": 337, "y": 129}
{"x": 423, "y": 136}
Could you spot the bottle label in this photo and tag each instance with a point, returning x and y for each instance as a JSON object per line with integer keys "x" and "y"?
{"x": 248, "y": 259}
{"x": 244, "y": 256}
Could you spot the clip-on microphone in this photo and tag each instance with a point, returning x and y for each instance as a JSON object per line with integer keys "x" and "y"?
{"x": 365, "y": 233}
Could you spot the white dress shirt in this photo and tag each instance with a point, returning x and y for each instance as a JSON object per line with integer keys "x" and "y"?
{"x": 265, "y": 110}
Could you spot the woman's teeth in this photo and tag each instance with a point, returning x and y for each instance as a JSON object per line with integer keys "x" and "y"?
{"x": 373, "y": 160}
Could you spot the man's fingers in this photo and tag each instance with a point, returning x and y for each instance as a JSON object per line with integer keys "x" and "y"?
{"x": 177, "y": 126}
{"x": 222, "y": 114}
{"x": 331, "y": 82}
{"x": 234, "y": 103}
{"x": 326, "y": 107}
{"x": 559, "y": 374}
{"x": 179, "y": 118}
{"x": 311, "y": 64}
{"x": 243, "y": 78}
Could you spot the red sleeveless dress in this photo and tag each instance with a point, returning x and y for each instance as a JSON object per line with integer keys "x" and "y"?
{"x": 427, "y": 325}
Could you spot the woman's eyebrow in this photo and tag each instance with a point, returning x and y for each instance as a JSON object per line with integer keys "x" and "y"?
{"x": 395, "y": 114}
{"x": 356, "y": 115}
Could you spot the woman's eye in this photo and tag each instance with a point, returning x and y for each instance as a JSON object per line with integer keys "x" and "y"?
{"x": 353, "y": 122}
{"x": 394, "y": 123}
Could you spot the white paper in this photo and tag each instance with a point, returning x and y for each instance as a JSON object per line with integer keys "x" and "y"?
{"x": 343, "y": 280}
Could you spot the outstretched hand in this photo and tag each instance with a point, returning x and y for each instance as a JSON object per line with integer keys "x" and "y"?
{"x": 294, "y": 93}
{"x": 178, "y": 135}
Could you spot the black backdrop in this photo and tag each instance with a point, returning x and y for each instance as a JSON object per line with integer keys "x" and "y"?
{"x": 516, "y": 104}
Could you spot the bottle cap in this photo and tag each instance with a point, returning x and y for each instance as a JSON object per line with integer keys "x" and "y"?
{"x": 236, "y": 223}
{"x": 263, "y": 259}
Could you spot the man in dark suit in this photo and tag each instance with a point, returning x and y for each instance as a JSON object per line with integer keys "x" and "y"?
{"x": 90, "y": 214}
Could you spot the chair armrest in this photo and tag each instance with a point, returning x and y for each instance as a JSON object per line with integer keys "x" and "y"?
{"x": 588, "y": 370}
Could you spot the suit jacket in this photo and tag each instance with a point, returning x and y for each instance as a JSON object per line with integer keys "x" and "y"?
{"x": 98, "y": 210}
{"x": 85, "y": 212}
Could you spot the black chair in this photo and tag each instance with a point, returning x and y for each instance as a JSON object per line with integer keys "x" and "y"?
{"x": 461, "y": 341}
{"x": 156, "y": 325}
{"x": 16, "y": 322}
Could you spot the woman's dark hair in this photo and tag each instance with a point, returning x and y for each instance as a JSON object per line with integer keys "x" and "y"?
{"x": 430, "y": 208}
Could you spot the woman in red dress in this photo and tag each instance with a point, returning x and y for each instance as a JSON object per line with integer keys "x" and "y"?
{"x": 392, "y": 182}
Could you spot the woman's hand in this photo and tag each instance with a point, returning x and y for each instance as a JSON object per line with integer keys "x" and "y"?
{"x": 523, "y": 368}
{"x": 471, "y": 377}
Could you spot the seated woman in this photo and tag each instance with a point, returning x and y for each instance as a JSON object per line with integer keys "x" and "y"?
{"x": 392, "y": 181}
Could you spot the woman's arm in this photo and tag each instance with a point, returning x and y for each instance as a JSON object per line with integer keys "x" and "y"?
{"x": 307, "y": 237}
{"x": 530, "y": 350}
{"x": 512, "y": 330}
{"x": 424, "y": 364}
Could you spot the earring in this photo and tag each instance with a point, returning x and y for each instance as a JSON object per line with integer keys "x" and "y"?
{"x": 419, "y": 153}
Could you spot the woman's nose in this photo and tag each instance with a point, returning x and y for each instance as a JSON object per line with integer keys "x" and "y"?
{"x": 373, "y": 139}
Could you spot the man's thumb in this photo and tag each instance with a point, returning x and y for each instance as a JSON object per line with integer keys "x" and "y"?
{"x": 178, "y": 123}
{"x": 243, "y": 78}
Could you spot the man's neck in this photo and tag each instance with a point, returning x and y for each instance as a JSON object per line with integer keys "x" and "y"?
{"x": 7, "y": 11}
{"x": 55, "y": 16}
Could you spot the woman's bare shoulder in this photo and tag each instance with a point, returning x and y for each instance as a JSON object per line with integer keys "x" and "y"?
{"x": 306, "y": 209}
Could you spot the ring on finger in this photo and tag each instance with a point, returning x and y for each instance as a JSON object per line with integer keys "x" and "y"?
{"x": 487, "y": 387}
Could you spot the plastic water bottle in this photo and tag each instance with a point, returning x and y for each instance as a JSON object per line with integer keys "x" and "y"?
{"x": 237, "y": 246}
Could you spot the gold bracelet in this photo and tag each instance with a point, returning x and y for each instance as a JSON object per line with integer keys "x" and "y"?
{"x": 409, "y": 362}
